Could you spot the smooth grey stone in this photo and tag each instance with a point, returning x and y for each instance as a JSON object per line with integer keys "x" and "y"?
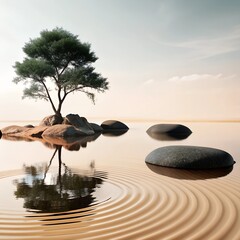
{"x": 114, "y": 125}
{"x": 190, "y": 157}
{"x": 169, "y": 132}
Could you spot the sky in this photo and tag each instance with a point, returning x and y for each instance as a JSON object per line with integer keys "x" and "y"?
{"x": 164, "y": 59}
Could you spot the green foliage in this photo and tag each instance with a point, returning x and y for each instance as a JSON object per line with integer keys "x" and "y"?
{"x": 60, "y": 48}
{"x": 35, "y": 69}
{"x": 35, "y": 91}
{"x": 58, "y": 56}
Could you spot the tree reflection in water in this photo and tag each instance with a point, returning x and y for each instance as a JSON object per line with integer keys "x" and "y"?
{"x": 66, "y": 190}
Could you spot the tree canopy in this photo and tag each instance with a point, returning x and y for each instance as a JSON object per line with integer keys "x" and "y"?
{"x": 60, "y": 57}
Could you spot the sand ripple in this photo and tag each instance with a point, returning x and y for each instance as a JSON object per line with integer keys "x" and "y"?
{"x": 141, "y": 205}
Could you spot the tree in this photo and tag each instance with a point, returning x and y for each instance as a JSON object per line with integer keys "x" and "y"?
{"x": 60, "y": 57}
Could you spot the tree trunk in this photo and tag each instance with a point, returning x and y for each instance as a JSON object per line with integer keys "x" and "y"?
{"x": 58, "y": 111}
{"x": 58, "y": 114}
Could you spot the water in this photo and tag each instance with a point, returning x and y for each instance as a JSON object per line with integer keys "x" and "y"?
{"x": 102, "y": 188}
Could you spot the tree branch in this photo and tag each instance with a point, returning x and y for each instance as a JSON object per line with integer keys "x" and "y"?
{"x": 75, "y": 89}
{"x": 64, "y": 68}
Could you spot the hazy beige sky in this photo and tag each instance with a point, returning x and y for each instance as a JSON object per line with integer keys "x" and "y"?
{"x": 169, "y": 59}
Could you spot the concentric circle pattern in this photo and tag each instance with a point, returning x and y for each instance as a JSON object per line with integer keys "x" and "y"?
{"x": 141, "y": 205}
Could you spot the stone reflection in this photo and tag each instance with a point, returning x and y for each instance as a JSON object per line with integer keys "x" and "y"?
{"x": 188, "y": 174}
{"x": 115, "y": 133}
{"x": 69, "y": 143}
{"x": 63, "y": 191}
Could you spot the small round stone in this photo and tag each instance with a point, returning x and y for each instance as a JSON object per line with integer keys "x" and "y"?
{"x": 169, "y": 131}
{"x": 114, "y": 125}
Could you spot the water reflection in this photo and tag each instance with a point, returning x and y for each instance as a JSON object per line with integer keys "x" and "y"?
{"x": 115, "y": 133}
{"x": 56, "y": 192}
{"x": 169, "y": 136}
{"x": 69, "y": 143}
{"x": 17, "y": 138}
{"x": 190, "y": 174}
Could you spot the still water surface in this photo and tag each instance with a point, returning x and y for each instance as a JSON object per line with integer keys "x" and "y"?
{"x": 102, "y": 189}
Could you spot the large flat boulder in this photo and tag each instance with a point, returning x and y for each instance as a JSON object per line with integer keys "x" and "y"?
{"x": 14, "y": 130}
{"x": 63, "y": 131}
{"x": 169, "y": 131}
{"x": 24, "y": 132}
{"x": 190, "y": 157}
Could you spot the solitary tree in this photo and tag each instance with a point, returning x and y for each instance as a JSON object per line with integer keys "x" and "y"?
{"x": 60, "y": 57}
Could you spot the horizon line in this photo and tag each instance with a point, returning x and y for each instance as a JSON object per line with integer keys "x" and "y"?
{"x": 141, "y": 120}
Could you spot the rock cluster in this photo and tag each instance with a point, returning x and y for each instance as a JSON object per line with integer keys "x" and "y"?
{"x": 52, "y": 127}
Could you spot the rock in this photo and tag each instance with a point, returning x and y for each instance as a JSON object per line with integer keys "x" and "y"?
{"x": 190, "y": 157}
{"x": 35, "y": 132}
{"x": 169, "y": 131}
{"x": 113, "y": 125}
{"x": 78, "y": 122}
{"x": 96, "y": 128}
{"x": 63, "y": 131}
{"x": 114, "y": 128}
{"x": 24, "y": 132}
{"x": 51, "y": 120}
{"x": 13, "y": 130}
